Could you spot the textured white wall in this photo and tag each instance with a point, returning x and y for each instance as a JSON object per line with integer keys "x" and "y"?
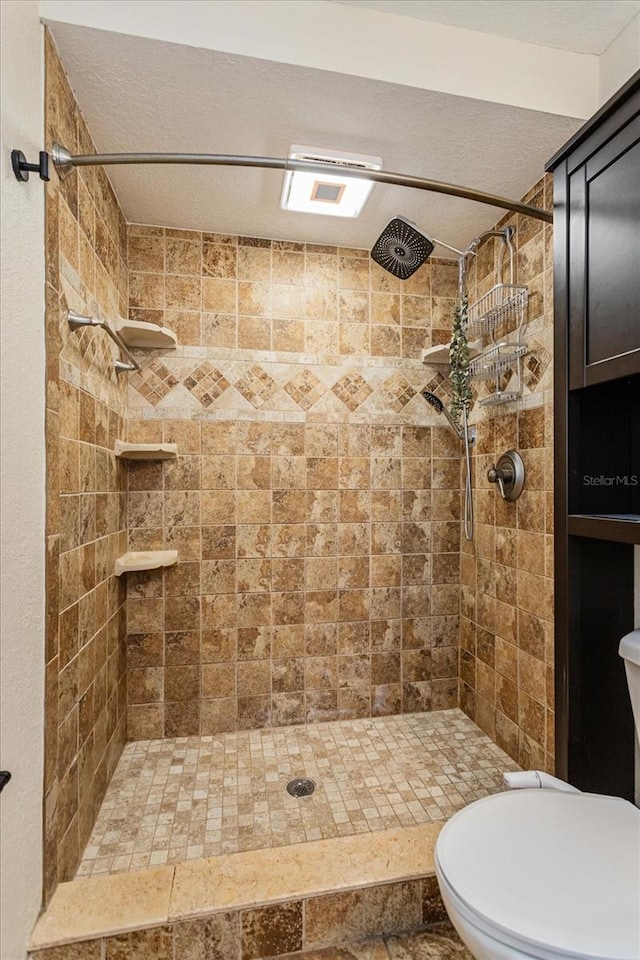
{"x": 620, "y": 60}
{"x": 360, "y": 42}
{"x": 22, "y": 480}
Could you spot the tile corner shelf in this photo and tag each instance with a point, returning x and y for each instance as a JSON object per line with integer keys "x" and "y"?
{"x": 145, "y": 451}
{"x": 439, "y": 355}
{"x": 146, "y": 336}
{"x": 145, "y": 560}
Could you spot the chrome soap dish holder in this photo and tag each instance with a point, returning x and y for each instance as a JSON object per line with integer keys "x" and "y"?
{"x": 77, "y": 321}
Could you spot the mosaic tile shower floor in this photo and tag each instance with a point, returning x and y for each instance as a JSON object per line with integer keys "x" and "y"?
{"x": 180, "y": 799}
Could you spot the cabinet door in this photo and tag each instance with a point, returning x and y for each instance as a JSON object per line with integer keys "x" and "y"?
{"x": 604, "y": 268}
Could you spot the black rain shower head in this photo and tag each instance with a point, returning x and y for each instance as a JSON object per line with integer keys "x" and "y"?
{"x": 401, "y": 248}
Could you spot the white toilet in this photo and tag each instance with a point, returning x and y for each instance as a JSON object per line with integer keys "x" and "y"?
{"x": 547, "y": 873}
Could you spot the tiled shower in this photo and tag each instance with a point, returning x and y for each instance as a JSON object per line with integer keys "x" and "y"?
{"x": 315, "y": 502}
{"x": 313, "y": 511}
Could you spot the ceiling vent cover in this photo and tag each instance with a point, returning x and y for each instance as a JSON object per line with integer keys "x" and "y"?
{"x": 330, "y": 194}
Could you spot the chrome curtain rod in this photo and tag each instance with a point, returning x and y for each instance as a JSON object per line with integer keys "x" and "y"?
{"x": 64, "y": 162}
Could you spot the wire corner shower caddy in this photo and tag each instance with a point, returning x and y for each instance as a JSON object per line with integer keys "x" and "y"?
{"x": 501, "y": 311}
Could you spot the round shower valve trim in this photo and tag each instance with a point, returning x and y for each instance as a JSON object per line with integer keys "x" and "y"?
{"x": 508, "y": 473}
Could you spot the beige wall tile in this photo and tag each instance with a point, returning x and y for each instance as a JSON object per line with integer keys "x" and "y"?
{"x": 216, "y": 937}
{"x": 393, "y": 908}
{"x": 317, "y": 518}
{"x": 85, "y": 518}
{"x": 519, "y": 538}
{"x": 155, "y": 944}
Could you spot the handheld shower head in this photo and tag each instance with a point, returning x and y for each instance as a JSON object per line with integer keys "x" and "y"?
{"x": 401, "y": 248}
{"x": 435, "y": 402}
{"x": 439, "y": 407}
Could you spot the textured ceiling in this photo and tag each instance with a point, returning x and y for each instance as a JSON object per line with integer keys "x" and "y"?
{"x": 143, "y": 95}
{"x": 583, "y": 26}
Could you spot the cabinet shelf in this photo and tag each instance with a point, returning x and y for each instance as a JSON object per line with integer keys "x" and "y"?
{"x": 146, "y": 336}
{"x": 145, "y": 451}
{"x": 145, "y": 560}
{"x": 617, "y": 527}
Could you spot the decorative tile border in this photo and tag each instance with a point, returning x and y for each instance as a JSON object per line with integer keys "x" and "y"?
{"x": 352, "y": 389}
{"x": 378, "y": 392}
{"x": 335, "y": 393}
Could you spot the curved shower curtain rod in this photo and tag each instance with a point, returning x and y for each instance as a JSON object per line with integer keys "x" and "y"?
{"x": 64, "y": 162}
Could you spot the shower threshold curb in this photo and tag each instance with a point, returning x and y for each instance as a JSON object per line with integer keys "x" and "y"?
{"x": 101, "y": 907}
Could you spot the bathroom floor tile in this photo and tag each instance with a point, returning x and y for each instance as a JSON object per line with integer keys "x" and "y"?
{"x": 187, "y": 798}
{"x": 437, "y": 943}
{"x": 366, "y": 950}
{"x": 441, "y": 943}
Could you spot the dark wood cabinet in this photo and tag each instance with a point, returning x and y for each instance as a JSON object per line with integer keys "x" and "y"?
{"x": 603, "y": 195}
{"x": 596, "y": 440}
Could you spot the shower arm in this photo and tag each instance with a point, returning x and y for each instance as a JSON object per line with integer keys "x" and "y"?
{"x": 506, "y": 234}
{"x": 64, "y": 162}
{"x": 462, "y": 255}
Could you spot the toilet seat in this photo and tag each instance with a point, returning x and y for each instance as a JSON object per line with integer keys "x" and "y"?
{"x": 499, "y": 859}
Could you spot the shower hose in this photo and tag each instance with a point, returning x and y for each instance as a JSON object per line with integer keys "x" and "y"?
{"x": 468, "y": 493}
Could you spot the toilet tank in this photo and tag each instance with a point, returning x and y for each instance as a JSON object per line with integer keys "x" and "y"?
{"x": 629, "y": 650}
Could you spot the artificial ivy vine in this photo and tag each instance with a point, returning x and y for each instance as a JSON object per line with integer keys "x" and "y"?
{"x": 459, "y": 361}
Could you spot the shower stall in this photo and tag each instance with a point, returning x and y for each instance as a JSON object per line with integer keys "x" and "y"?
{"x": 256, "y": 569}
{"x": 309, "y": 630}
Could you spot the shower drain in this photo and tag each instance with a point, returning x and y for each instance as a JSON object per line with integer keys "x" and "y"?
{"x": 301, "y": 787}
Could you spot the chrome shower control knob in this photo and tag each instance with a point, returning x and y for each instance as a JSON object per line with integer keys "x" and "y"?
{"x": 508, "y": 473}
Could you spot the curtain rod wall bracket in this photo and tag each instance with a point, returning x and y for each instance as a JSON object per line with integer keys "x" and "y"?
{"x": 64, "y": 162}
{"x": 22, "y": 169}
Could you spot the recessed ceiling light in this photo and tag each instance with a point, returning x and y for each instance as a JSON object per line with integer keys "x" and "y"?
{"x": 332, "y": 195}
